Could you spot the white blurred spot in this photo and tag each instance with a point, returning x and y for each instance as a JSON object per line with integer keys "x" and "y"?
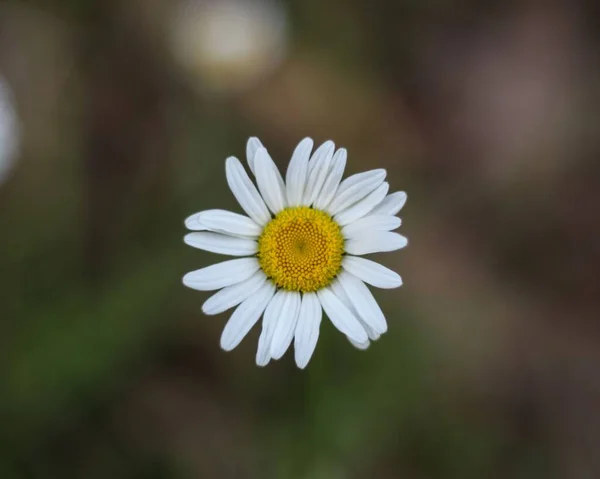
{"x": 229, "y": 44}
{"x": 9, "y": 132}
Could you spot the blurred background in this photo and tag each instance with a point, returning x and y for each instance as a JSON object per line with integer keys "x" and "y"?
{"x": 115, "y": 120}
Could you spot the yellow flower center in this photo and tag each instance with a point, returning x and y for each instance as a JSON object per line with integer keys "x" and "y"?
{"x": 301, "y": 249}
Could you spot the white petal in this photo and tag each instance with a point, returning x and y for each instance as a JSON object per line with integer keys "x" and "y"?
{"x": 341, "y": 317}
{"x": 338, "y": 163}
{"x": 223, "y": 274}
{"x": 369, "y": 224}
{"x": 221, "y": 244}
{"x": 362, "y": 207}
{"x": 391, "y": 205}
{"x": 223, "y": 221}
{"x": 354, "y": 189}
{"x": 233, "y": 295}
{"x": 270, "y": 319}
{"x": 192, "y": 222}
{"x": 363, "y": 301}
{"x": 375, "y": 243}
{"x": 269, "y": 181}
{"x": 307, "y": 329}
{"x": 245, "y": 192}
{"x": 371, "y": 272}
{"x": 318, "y": 169}
{"x": 245, "y": 316}
{"x": 361, "y": 346}
{"x": 339, "y": 291}
{"x": 251, "y": 148}
{"x": 286, "y": 325}
{"x": 297, "y": 172}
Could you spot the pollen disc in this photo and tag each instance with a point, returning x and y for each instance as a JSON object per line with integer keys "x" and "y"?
{"x": 301, "y": 249}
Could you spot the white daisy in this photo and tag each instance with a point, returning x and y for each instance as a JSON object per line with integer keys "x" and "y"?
{"x": 300, "y": 250}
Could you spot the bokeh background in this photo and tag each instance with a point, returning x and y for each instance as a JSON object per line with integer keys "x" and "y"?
{"x": 117, "y": 116}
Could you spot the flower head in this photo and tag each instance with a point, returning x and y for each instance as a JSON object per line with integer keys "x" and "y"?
{"x": 300, "y": 249}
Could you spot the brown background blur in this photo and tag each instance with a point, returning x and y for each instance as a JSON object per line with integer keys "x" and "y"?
{"x": 486, "y": 113}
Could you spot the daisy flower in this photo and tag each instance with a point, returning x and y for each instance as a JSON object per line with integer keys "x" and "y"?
{"x": 300, "y": 250}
